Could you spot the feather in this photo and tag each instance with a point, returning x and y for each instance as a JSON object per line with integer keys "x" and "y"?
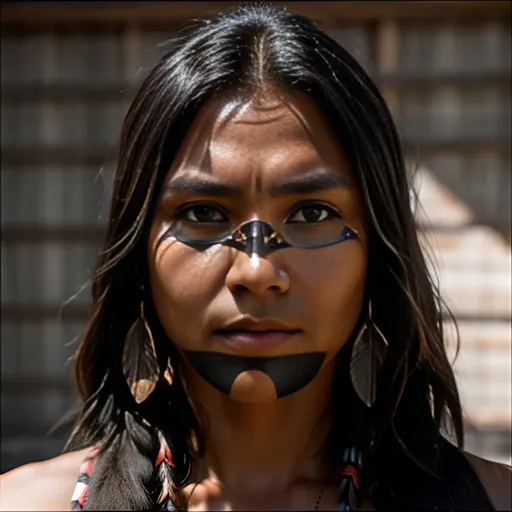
{"x": 352, "y": 496}
{"x": 165, "y": 470}
{"x": 165, "y": 477}
{"x": 140, "y": 363}
{"x": 169, "y": 372}
{"x": 368, "y": 353}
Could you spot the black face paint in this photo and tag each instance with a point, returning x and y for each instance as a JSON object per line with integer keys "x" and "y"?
{"x": 259, "y": 237}
{"x": 289, "y": 373}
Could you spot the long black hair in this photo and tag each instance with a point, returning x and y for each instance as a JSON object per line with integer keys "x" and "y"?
{"x": 250, "y": 47}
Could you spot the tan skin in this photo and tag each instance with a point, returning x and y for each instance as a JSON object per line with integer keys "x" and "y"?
{"x": 257, "y": 443}
{"x": 260, "y": 451}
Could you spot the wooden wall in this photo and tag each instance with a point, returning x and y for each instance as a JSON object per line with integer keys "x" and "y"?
{"x": 68, "y": 71}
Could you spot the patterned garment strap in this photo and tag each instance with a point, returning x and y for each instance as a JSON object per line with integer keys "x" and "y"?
{"x": 82, "y": 484}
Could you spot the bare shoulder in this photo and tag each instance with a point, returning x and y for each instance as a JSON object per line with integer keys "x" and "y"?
{"x": 46, "y": 485}
{"x": 496, "y": 478}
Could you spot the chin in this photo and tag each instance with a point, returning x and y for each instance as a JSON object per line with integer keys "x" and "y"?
{"x": 253, "y": 387}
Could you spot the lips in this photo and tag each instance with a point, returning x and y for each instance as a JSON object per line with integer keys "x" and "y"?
{"x": 251, "y": 333}
{"x": 247, "y": 323}
{"x": 254, "y": 339}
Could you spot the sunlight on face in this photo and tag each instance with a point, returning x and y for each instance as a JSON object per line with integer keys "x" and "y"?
{"x": 270, "y": 157}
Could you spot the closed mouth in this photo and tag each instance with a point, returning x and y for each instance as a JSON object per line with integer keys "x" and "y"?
{"x": 254, "y": 331}
{"x": 256, "y": 338}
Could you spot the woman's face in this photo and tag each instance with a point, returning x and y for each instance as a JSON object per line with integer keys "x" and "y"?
{"x": 270, "y": 157}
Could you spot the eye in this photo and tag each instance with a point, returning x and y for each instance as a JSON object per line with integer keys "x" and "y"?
{"x": 313, "y": 213}
{"x": 201, "y": 213}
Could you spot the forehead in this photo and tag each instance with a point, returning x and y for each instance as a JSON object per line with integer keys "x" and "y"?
{"x": 266, "y": 134}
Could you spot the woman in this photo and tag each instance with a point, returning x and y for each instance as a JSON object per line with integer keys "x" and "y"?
{"x": 264, "y": 333}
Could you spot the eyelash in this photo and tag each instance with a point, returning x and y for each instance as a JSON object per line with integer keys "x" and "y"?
{"x": 331, "y": 212}
{"x": 181, "y": 213}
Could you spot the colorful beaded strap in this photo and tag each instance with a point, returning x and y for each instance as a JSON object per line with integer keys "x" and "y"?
{"x": 82, "y": 484}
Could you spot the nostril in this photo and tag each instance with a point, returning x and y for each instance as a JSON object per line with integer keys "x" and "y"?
{"x": 258, "y": 280}
{"x": 240, "y": 288}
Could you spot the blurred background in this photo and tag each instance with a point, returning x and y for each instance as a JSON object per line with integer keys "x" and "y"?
{"x": 68, "y": 72}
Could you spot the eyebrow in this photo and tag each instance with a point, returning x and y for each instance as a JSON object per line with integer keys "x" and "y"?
{"x": 316, "y": 180}
{"x": 204, "y": 185}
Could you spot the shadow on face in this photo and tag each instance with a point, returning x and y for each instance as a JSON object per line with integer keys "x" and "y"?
{"x": 268, "y": 156}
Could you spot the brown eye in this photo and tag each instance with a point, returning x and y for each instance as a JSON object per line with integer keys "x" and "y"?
{"x": 313, "y": 213}
{"x": 201, "y": 213}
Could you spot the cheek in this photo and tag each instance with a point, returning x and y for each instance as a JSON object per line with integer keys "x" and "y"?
{"x": 183, "y": 283}
{"x": 334, "y": 280}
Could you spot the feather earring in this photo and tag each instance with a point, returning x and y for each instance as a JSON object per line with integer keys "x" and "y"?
{"x": 140, "y": 363}
{"x": 368, "y": 353}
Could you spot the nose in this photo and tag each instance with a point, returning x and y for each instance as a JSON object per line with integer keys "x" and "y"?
{"x": 256, "y": 275}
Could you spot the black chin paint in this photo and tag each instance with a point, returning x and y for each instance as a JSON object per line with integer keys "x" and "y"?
{"x": 289, "y": 373}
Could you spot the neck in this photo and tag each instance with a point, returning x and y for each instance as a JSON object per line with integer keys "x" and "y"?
{"x": 264, "y": 445}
